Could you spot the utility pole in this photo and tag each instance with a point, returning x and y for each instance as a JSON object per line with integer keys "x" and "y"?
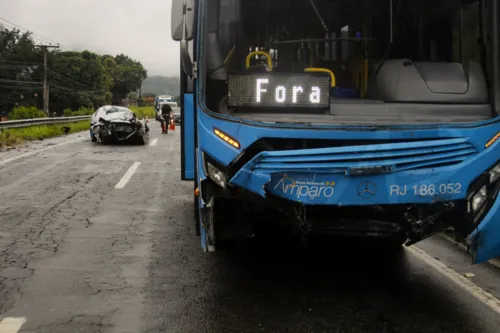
{"x": 45, "y": 77}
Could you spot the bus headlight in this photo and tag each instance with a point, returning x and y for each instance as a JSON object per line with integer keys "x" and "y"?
{"x": 494, "y": 174}
{"x": 482, "y": 193}
{"x": 479, "y": 199}
{"x": 213, "y": 171}
{"x": 216, "y": 175}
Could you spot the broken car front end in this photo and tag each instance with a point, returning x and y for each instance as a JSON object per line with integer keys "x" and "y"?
{"x": 119, "y": 125}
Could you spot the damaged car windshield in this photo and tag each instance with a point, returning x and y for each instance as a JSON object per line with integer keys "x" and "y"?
{"x": 115, "y": 109}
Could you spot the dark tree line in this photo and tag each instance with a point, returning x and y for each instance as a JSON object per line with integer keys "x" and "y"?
{"x": 76, "y": 79}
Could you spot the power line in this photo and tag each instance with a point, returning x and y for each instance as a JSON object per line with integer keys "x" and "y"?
{"x": 61, "y": 88}
{"x": 18, "y": 94}
{"x": 86, "y": 84}
{"x": 18, "y": 73}
{"x": 16, "y": 67}
{"x": 31, "y": 32}
{"x": 32, "y": 36}
{"x": 20, "y": 87}
{"x": 18, "y": 81}
{"x": 20, "y": 63}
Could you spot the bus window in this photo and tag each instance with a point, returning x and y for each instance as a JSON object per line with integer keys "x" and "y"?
{"x": 466, "y": 34}
{"x": 420, "y": 38}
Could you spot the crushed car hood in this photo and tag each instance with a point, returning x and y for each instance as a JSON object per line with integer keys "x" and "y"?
{"x": 119, "y": 114}
{"x": 116, "y": 123}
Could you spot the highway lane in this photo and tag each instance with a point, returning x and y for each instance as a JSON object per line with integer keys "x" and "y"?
{"x": 80, "y": 254}
{"x": 74, "y": 249}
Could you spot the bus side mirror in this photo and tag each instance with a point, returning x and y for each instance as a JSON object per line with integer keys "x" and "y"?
{"x": 182, "y": 20}
{"x": 182, "y": 28}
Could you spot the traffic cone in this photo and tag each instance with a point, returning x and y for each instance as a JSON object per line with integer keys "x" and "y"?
{"x": 172, "y": 125}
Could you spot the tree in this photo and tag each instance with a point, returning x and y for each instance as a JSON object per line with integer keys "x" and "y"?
{"x": 20, "y": 80}
{"x": 128, "y": 77}
{"x": 80, "y": 78}
{"x": 76, "y": 79}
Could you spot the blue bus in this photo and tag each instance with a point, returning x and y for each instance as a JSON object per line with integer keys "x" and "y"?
{"x": 378, "y": 119}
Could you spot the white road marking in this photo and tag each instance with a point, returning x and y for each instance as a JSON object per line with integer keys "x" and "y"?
{"x": 126, "y": 177}
{"x": 488, "y": 299}
{"x": 154, "y": 142}
{"x": 39, "y": 151}
{"x": 11, "y": 324}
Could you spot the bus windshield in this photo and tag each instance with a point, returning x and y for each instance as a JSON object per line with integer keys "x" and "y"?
{"x": 391, "y": 61}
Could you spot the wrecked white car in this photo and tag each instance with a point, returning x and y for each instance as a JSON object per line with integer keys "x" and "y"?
{"x": 111, "y": 124}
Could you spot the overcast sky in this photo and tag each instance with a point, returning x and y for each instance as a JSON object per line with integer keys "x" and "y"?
{"x": 137, "y": 28}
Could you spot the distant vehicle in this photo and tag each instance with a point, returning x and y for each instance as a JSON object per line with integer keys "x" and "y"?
{"x": 162, "y": 99}
{"x": 112, "y": 123}
{"x": 177, "y": 115}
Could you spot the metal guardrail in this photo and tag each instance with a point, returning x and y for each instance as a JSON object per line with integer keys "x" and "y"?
{"x": 40, "y": 121}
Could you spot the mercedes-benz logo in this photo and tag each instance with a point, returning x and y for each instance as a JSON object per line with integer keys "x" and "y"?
{"x": 367, "y": 190}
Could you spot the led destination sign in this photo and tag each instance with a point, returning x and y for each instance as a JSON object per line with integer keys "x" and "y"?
{"x": 271, "y": 90}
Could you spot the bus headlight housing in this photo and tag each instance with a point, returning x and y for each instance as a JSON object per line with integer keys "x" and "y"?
{"x": 482, "y": 193}
{"x": 495, "y": 174}
{"x": 213, "y": 171}
{"x": 479, "y": 199}
{"x": 216, "y": 175}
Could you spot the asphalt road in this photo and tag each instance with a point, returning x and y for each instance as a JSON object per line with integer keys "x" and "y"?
{"x": 78, "y": 254}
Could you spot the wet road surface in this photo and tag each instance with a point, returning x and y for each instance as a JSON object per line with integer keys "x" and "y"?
{"x": 78, "y": 254}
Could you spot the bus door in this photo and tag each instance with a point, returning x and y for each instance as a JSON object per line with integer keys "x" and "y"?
{"x": 188, "y": 123}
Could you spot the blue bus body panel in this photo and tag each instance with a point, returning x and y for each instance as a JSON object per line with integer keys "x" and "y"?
{"x": 486, "y": 238}
{"x": 202, "y": 204}
{"x": 331, "y": 176}
{"x": 188, "y": 138}
{"x": 313, "y": 176}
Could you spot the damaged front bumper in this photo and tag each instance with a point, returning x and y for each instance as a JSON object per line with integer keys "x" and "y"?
{"x": 119, "y": 130}
{"x": 445, "y": 180}
{"x": 413, "y": 173}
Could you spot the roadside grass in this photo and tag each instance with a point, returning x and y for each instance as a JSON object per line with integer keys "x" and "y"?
{"x": 14, "y": 136}
{"x": 143, "y": 111}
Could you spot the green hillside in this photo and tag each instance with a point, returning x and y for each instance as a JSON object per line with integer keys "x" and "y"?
{"x": 161, "y": 85}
